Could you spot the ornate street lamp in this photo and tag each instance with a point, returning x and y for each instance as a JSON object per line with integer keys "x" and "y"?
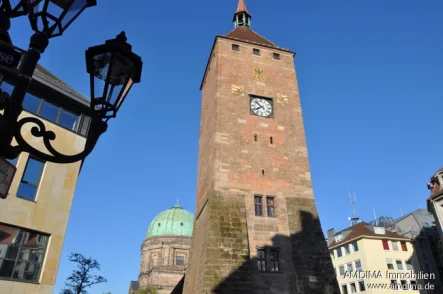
{"x": 14, "y": 9}
{"x": 53, "y": 17}
{"x": 113, "y": 69}
{"x": 113, "y": 66}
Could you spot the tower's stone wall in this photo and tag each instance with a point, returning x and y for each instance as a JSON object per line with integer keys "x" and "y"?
{"x": 235, "y": 165}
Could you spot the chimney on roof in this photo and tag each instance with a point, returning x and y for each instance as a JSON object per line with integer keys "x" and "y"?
{"x": 331, "y": 236}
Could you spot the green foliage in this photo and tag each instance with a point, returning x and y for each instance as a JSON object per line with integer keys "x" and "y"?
{"x": 82, "y": 277}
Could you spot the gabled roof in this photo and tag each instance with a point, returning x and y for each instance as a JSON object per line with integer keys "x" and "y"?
{"x": 364, "y": 229}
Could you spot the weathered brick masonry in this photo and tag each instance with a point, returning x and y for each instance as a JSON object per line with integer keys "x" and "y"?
{"x": 235, "y": 165}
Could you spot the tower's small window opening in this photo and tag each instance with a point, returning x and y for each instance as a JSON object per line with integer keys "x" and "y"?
{"x": 255, "y": 137}
{"x": 181, "y": 224}
{"x": 276, "y": 56}
{"x": 256, "y": 52}
{"x": 261, "y": 260}
{"x": 271, "y": 140}
{"x": 179, "y": 260}
{"x": 258, "y": 202}
{"x": 270, "y": 206}
{"x": 262, "y": 172}
{"x": 274, "y": 261}
{"x": 235, "y": 47}
{"x": 159, "y": 224}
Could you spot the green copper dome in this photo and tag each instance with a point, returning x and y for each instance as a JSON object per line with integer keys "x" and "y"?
{"x": 174, "y": 221}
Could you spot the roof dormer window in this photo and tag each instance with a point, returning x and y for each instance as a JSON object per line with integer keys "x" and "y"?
{"x": 379, "y": 230}
{"x": 338, "y": 238}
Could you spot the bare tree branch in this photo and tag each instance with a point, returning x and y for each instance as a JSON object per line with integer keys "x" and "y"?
{"x": 82, "y": 277}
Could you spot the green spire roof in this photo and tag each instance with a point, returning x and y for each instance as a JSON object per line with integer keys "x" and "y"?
{"x": 174, "y": 221}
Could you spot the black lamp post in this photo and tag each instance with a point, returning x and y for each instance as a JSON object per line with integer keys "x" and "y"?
{"x": 113, "y": 64}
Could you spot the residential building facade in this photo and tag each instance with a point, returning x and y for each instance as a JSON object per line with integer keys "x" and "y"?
{"x": 435, "y": 200}
{"x": 367, "y": 256}
{"x": 165, "y": 251}
{"x": 420, "y": 226}
{"x": 34, "y": 216}
{"x": 257, "y": 228}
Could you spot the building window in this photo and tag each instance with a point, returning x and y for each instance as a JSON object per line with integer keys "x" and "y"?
{"x": 355, "y": 246}
{"x": 179, "y": 260}
{"x": 276, "y": 56}
{"x": 31, "y": 103}
{"x": 385, "y": 244}
{"x": 341, "y": 270}
{"x": 404, "y": 284}
{"x": 235, "y": 47}
{"x": 394, "y": 284}
{"x": 51, "y": 112}
{"x": 338, "y": 238}
{"x": 390, "y": 264}
{"x": 403, "y": 246}
{"x": 413, "y": 284}
{"x": 68, "y": 119}
{"x": 344, "y": 289}
{"x": 332, "y": 254}
{"x": 347, "y": 251}
{"x": 13, "y": 161}
{"x": 270, "y": 206}
{"x": 353, "y": 288}
{"x": 256, "y": 52}
{"x": 261, "y": 260}
{"x": 255, "y": 137}
{"x": 31, "y": 179}
{"x": 23, "y": 258}
{"x": 357, "y": 265}
{"x": 275, "y": 261}
{"x": 379, "y": 230}
{"x": 399, "y": 264}
{"x": 338, "y": 251}
{"x": 409, "y": 266}
{"x": 361, "y": 286}
{"x": 349, "y": 267}
{"x": 258, "y": 200}
{"x": 271, "y": 140}
{"x": 395, "y": 246}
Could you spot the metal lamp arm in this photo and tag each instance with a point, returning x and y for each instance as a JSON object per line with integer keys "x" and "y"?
{"x": 97, "y": 128}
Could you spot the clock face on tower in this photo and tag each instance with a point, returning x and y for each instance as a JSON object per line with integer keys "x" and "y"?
{"x": 261, "y": 106}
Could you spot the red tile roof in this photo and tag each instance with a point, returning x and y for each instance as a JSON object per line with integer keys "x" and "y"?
{"x": 244, "y": 33}
{"x": 363, "y": 230}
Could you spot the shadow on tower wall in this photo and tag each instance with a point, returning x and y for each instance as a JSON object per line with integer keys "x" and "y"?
{"x": 305, "y": 266}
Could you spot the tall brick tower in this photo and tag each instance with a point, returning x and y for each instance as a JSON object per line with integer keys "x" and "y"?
{"x": 256, "y": 228}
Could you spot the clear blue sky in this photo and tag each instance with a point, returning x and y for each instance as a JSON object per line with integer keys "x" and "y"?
{"x": 370, "y": 75}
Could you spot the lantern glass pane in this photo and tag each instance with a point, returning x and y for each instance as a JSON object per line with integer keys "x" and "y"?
{"x": 121, "y": 72}
{"x": 122, "y": 69}
{"x": 54, "y": 16}
{"x": 100, "y": 71}
{"x": 124, "y": 92}
{"x": 73, "y": 11}
{"x": 16, "y": 8}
